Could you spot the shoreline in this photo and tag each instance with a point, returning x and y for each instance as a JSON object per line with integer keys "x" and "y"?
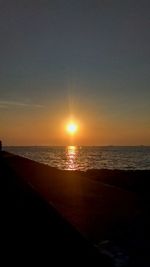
{"x": 34, "y": 232}
{"x": 84, "y": 159}
{"x": 95, "y": 202}
{"x": 135, "y": 180}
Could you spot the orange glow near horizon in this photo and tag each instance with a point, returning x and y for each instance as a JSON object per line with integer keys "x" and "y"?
{"x": 61, "y": 129}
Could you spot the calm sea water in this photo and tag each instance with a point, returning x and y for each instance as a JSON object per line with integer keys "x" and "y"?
{"x": 84, "y": 158}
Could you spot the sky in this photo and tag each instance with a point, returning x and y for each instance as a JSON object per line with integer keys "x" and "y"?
{"x": 84, "y": 59}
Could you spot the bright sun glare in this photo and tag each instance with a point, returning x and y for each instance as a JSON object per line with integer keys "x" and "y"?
{"x": 72, "y": 128}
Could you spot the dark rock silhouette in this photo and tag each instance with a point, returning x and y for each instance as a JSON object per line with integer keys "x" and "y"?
{"x": 0, "y": 145}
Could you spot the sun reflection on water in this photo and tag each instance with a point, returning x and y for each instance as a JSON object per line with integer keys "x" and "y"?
{"x": 71, "y": 154}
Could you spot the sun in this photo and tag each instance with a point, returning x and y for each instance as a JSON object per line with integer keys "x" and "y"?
{"x": 72, "y": 128}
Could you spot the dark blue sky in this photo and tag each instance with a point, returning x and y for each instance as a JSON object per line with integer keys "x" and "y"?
{"x": 78, "y": 56}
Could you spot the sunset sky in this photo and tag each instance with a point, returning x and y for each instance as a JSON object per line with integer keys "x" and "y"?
{"x": 86, "y": 60}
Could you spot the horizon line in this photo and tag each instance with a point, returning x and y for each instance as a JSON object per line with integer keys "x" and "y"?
{"x": 76, "y": 145}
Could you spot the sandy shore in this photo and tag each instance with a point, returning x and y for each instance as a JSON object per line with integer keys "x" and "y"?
{"x": 109, "y": 208}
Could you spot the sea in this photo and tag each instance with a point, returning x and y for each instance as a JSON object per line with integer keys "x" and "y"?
{"x": 84, "y": 158}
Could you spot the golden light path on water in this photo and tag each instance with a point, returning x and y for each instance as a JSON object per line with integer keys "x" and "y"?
{"x": 71, "y": 154}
